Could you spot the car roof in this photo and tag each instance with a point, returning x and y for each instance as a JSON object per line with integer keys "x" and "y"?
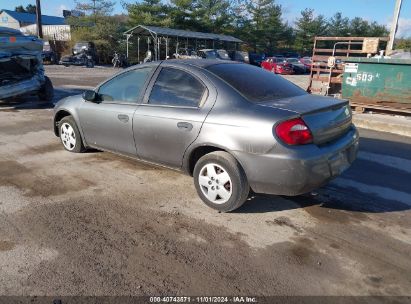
{"x": 201, "y": 63}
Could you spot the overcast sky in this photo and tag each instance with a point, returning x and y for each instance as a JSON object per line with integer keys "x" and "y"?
{"x": 372, "y": 10}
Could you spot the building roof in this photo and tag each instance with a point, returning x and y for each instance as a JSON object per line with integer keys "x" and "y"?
{"x": 31, "y": 18}
{"x": 146, "y": 30}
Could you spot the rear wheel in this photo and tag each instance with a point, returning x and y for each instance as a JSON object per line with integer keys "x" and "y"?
{"x": 70, "y": 136}
{"x": 220, "y": 181}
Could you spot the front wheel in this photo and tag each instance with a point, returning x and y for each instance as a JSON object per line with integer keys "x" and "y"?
{"x": 90, "y": 63}
{"x": 70, "y": 136}
{"x": 220, "y": 181}
{"x": 46, "y": 92}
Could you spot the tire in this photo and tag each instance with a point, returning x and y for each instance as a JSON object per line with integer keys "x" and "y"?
{"x": 68, "y": 131}
{"x": 47, "y": 91}
{"x": 90, "y": 64}
{"x": 234, "y": 191}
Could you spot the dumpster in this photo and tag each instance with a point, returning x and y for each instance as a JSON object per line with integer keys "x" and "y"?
{"x": 378, "y": 83}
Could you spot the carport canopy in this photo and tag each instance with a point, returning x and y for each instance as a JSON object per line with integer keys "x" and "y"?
{"x": 157, "y": 33}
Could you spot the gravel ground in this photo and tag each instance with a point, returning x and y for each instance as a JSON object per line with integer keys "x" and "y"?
{"x": 101, "y": 224}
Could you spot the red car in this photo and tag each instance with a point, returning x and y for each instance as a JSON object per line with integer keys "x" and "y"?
{"x": 277, "y": 66}
{"x": 307, "y": 62}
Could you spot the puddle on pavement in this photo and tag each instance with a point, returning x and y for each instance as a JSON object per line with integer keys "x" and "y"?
{"x": 42, "y": 149}
{"x": 24, "y": 127}
{"x": 6, "y": 245}
{"x": 31, "y": 183}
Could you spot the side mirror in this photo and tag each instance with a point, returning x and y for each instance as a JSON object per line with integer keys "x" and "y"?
{"x": 90, "y": 95}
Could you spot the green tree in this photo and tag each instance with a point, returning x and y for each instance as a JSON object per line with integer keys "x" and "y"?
{"x": 182, "y": 14}
{"x": 362, "y": 28}
{"x": 95, "y": 8}
{"x": 212, "y": 15}
{"x": 403, "y": 44}
{"x": 265, "y": 29}
{"x": 149, "y": 12}
{"x": 339, "y": 26}
{"x": 359, "y": 27}
{"x": 307, "y": 27}
{"x": 30, "y": 8}
{"x": 377, "y": 30}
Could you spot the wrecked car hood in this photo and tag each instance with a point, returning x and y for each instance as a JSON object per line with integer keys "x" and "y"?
{"x": 21, "y": 67}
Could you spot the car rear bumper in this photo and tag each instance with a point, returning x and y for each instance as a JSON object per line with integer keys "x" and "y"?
{"x": 297, "y": 170}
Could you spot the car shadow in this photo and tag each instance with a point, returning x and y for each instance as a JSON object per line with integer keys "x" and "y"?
{"x": 264, "y": 203}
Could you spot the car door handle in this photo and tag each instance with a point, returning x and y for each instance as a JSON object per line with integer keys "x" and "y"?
{"x": 122, "y": 117}
{"x": 184, "y": 125}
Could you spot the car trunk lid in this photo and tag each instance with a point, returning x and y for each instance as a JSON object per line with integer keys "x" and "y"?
{"x": 327, "y": 118}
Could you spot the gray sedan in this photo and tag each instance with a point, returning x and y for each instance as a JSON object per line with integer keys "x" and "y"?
{"x": 232, "y": 126}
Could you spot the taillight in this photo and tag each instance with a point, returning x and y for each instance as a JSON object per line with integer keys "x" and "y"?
{"x": 294, "y": 132}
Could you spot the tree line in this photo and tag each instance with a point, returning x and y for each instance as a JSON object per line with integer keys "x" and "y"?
{"x": 259, "y": 23}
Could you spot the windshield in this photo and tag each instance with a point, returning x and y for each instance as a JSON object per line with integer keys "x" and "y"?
{"x": 256, "y": 84}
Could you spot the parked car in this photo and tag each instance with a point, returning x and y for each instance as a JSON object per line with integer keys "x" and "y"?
{"x": 298, "y": 67}
{"x": 232, "y": 126}
{"x": 87, "y": 46}
{"x": 213, "y": 54}
{"x": 239, "y": 56}
{"x": 21, "y": 66}
{"x": 48, "y": 54}
{"x": 277, "y": 66}
{"x": 83, "y": 54}
{"x": 307, "y": 62}
{"x": 184, "y": 53}
{"x": 256, "y": 59}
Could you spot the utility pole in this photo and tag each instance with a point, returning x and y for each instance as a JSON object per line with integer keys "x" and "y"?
{"x": 394, "y": 26}
{"x": 38, "y": 19}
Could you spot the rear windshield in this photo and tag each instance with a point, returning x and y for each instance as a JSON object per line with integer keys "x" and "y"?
{"x": 256, "y": 84}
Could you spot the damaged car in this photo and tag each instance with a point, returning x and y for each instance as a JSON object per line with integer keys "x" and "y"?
{"x": 83, "y": 54}
{"x": 21, "y": 66}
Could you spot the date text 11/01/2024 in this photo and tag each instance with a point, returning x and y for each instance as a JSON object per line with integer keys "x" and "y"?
{"x": 240, "y": 299}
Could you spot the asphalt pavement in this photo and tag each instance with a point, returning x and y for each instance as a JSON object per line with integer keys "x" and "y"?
{"x": 101, "y": 224}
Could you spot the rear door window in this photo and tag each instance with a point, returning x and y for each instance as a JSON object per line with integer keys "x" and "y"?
{"x": 175, "y": 87}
